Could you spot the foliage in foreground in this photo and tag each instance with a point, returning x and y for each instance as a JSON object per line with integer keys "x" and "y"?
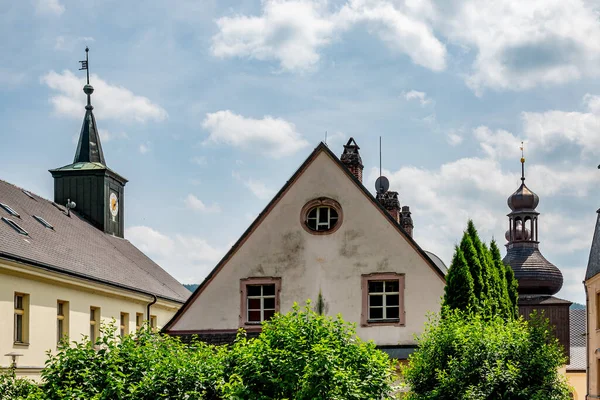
{"x": 305, "y": 355}
{"x": 300, "y": 355}
{"x": 468, "y": 357}
{"x": 17, "y": 388}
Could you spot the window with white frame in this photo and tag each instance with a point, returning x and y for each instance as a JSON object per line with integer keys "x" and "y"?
{"x": 260, "y": 300}
{"x": 383, "y": 299}
{"x": 322, "y": 218}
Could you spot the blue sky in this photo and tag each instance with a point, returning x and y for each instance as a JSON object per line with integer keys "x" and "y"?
{"x": 208, "y": 107}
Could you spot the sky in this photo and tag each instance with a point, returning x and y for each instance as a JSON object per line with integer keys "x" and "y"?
{"x": 208, "y": 107}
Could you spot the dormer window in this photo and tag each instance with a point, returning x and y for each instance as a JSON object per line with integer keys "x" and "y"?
{"x": 321, "y": 216}
{"x": 9, "y": 210}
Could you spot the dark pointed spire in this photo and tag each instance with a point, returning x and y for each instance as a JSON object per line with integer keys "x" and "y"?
{"x": 89, "y": 148}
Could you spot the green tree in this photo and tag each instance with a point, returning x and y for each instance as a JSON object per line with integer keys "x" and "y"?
{"x": 305, "y": 355}
{"x": 508, "y": 302}
{"x": 472, "y": 258}
{"x": 458, "y": 293}
{"x": 467, "y": 357}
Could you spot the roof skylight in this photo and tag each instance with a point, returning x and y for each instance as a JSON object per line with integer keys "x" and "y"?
{"x": 15, "y": 226}
{"x": 28, "y": 194}
{"x": 9, "y": 210}
{"x": 43, "y": 222}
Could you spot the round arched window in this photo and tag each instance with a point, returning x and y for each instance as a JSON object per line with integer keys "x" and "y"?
{"x": 321, "y": 216}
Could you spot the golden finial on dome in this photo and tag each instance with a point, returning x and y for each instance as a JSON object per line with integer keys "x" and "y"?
{"x": 522, "y": 156}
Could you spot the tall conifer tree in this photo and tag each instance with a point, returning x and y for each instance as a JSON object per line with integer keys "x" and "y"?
{"x": 512, "y": 285}
{"x": 470, "y": 254}
{"x": 458, "y": 293}
{"x": 507, "y": 308}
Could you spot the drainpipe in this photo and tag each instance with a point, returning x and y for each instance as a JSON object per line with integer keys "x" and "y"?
{"x": 587, "y": 343}
{"x": 154, "y": 300}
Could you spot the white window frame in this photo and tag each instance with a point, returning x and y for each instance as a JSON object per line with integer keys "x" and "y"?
{"x": 384, "y": 296}
{"x": 322, "y": 226}
{"x": 262, "y": 298}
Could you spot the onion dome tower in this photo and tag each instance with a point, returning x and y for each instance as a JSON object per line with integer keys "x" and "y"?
{"x": 536, "y": 275}
{"x": 539, "y": 280}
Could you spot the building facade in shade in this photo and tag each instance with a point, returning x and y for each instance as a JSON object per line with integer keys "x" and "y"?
{"x": 65, "y": 267}
{"x": 592, "y": 292}
{"x": 323, "y": 236}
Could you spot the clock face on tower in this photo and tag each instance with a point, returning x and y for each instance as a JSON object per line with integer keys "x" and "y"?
{"x": 114, "y": 204}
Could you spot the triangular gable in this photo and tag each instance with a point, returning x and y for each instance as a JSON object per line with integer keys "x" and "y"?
{"x": 321, "y": 148}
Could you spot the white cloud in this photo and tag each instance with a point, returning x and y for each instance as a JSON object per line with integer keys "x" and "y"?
{"x": 275, "y": 137}
{"x": 498, "y": 144}
{"x": 187, "y": 258}
{"x": 194, "y": 203}
{"x": 107, "y": 136}
{"x": 520, "y": 45}
{"x": 110, "y": 101}
{"x": 454, "y": 137}
{"x": 144, "y": 148}
{"x": 49, "y": 7}
{"x": 553, "y": 128}
{"x": 403, "y": 26}
{"x": 288, "y": 31}
{"x": 421, "y": 97}
{"x": 258, "y": 188}
{"x": 293, "y": 32}
{"x": 68, "y": 43}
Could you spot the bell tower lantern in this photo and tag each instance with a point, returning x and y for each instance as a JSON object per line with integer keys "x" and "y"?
{"x": 96, "y": 190}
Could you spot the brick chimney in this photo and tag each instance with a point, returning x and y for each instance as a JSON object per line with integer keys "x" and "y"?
{"x": 406, "y": 221}
{"x": 389, "y": 201}
{"x": 351, "y": 159}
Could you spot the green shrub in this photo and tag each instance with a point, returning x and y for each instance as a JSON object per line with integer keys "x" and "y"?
{"x": 468, "y": 357}
{"x": 17, "y": 388}
{"x": 305, "y": 355}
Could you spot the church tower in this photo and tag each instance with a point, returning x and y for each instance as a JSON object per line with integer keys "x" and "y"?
{"x": 539, "y": 280}
{"x": 96, "y": 190}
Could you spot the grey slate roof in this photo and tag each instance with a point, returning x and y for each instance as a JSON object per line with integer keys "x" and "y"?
{"x": 593, "y": 267}
{"x": 77, "y": 248}
{"x": 577, "y": 361}
{"x": 535, "y": 274}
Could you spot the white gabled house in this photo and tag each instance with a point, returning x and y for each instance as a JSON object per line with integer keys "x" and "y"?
{"x": 322, "y": 235}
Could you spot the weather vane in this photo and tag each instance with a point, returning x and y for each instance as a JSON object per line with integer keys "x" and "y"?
{"x": 84, "y": 64}
{"x": 522, "y": 162}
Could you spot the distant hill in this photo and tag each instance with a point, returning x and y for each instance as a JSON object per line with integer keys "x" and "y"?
{"x": 194, "y": 286}
{"x": 577, "y": 306}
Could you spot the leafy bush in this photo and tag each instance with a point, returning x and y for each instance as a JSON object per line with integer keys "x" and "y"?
{"x": 17, "y": 388}
{"x": 142, "y": 366}
{"x": 305, "y": 355}
{"x": 300, "y": 355}
{"x": 468, "y": 357}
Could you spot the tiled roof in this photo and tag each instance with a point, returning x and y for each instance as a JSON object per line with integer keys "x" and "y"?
{"x": 77, "y": 248}
{"x": 577, "y": 320}
{"x": 535, "y": 274}
{"x": 593, "y": 267}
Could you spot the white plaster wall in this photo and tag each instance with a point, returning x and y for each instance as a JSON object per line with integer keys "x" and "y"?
{"x": 43, "y": 295}
{"x": 365, "y": 243}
